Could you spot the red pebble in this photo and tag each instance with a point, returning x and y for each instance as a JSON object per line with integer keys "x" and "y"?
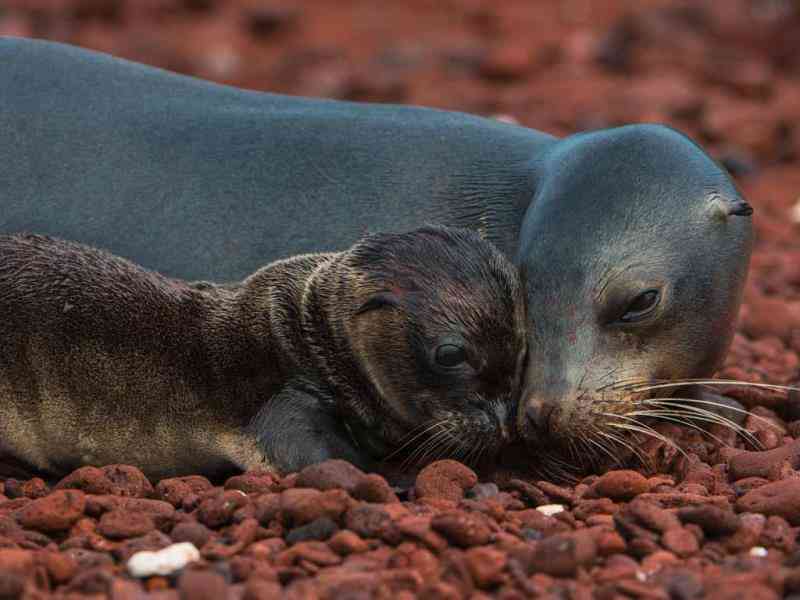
{"x": 780, "y": 498}
{"x": 329, "y": 475}
{"x": 463, "y": 529}
{"x": 486, "y": 565}
{"x": 621, "y": 485}
{"x": 445, "y": 479}
{"x": 56, "y": 512}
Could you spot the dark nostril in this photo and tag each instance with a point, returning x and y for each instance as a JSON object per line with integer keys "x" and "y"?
{"x": 539, "y": 413}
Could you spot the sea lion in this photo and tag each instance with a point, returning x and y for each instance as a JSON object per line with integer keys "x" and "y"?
{"x": 415, "y": 337}
{"x": 199, "y": 169}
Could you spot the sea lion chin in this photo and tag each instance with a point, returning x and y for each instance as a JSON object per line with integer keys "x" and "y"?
{"x": 632, "y": 285}
{"x": 406, "y": 345}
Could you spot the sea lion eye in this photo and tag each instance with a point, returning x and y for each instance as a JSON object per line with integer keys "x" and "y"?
{"x": 641, "y": 306}
{"x": 450, "y": 355}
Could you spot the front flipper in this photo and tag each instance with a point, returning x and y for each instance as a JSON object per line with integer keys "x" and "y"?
{"x": 295, "y": 428}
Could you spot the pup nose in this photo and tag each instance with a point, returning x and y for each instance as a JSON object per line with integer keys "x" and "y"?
{"x": 539, "y": 413}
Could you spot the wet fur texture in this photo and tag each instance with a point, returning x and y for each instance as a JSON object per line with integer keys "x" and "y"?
{"x": 316, "y": 356}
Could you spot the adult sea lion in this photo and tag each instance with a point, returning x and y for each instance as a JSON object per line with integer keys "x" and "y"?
{"x": 405, "y": 337}
{"x": 633, "y": 242}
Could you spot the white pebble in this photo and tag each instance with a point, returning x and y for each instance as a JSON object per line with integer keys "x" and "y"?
{"x": 795, "y": 212}
{"x": 163, "y": 562}
{"x": 758, "y": 551}
{"x": 550, "y": 509}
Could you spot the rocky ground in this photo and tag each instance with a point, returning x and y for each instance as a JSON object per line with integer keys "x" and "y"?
{"x": 720, "y": 522}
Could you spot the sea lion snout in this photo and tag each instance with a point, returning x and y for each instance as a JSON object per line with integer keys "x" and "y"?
{"x": 539, "y": 412}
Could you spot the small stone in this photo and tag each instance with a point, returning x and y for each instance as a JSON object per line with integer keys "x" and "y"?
{"x": 218, "y": 510}
{"x": 60, "y": 566}
{"x": 320, "y": 529}
{"x": 681, "y": 542}
{"x": 561, "y": 555}
{"x": 121, "y": 524}
{"x": 374, "y": 488}
{"x": 550, "y": 509}
{"x": 346, "y": 542}
{"x": 462, "y": 529}
{"x": 780, "y": 498}
{"x": 202, "y": 585}
{"x": 621, "y": 485}
{"x": 173, "y": 491}
{"x": 57, "y": 511}
{"x": 252, "y": 482}
{"x": 446, "y": 479}
{"x": 758, "y": 551}
{"x": 714, "y": 521}
{"x": 191, "y": 531}
{"x": 483, "y": 491}
{"x": 486, "y": 565}
{"x": 128, "y": 481}
{"x": 17, "y": 561}
{"x": 260, "y": 589}
{"x": 300, "y": 505}
{"x": 329, "y": 475}
{"x": 163, "y": 562}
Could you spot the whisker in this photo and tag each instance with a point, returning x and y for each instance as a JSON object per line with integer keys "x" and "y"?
{"x": 709, "y": 416}
{"x": 642, "y": 428}
{"x": 680, "y": 419}
{"x": 423, "y": 429}
{"x": 717, "y": 404}
{"x": 660, "y": 384}
{"x": 620, "y": 441}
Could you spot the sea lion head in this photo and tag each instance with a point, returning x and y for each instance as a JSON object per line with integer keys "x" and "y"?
{"x": 634, "y": 251}
{"x": 436, "y": 327}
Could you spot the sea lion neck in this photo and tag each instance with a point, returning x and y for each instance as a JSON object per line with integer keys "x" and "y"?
{"x": 326, "y": 303}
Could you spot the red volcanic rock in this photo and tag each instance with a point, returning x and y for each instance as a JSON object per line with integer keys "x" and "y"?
{"x": 328, "y": 475}
{"x": 486, "y": 565}
{"x": 763, "y": 464}
{"x": 219, "y": 508}
{"x": 621, "y": 485}
{"x": 202, "y": 585}
{"x": 563, "y": 554}
{"x": 462, "y": 529}
{"x": 299, "y": 506}
{"x": 252, "y": 482}
{"x": 445, "y": 479}
{"x": 374, "y": 488}
{"x": 780, "y": 498}
{"x": 55, "y": 512}
{"x": 120, "y": 524}
{"x": 713, "y": 520}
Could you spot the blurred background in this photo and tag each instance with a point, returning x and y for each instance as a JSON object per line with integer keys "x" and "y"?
{"x": 726, "y": 72}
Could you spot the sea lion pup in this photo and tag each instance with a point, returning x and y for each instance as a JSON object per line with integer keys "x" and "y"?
{"x": 345, "y": 355}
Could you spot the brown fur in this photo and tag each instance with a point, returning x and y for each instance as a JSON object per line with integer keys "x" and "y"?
{"x": 311, "y": 357}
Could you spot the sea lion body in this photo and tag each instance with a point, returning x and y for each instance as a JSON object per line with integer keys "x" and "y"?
{"x": 198, "y": 171}
{"x": 313, "y": 357}
{"x": 183, "y": 176}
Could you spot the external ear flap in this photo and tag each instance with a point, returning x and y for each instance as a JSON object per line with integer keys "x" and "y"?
{"x": 740, "y": 208}
{"x": 379, "y": 300}
{"x": 725, "y": 208}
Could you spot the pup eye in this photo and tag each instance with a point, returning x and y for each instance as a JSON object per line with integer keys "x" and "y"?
{"x": 450, "y": 355}
{"x": 641, "y": 306}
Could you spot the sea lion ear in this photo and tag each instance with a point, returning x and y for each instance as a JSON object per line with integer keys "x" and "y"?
{"x": 378, "y": 300}
{"x": 727, "y": 208}
{"x": 740, "y": 208}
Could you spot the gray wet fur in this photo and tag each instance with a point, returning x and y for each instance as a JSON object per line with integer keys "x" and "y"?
{"x": 210, "y": 181}
{"x": 104, "y": 362}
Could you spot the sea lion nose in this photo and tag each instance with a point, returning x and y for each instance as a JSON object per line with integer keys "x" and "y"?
{"x": 539, "y": 413}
